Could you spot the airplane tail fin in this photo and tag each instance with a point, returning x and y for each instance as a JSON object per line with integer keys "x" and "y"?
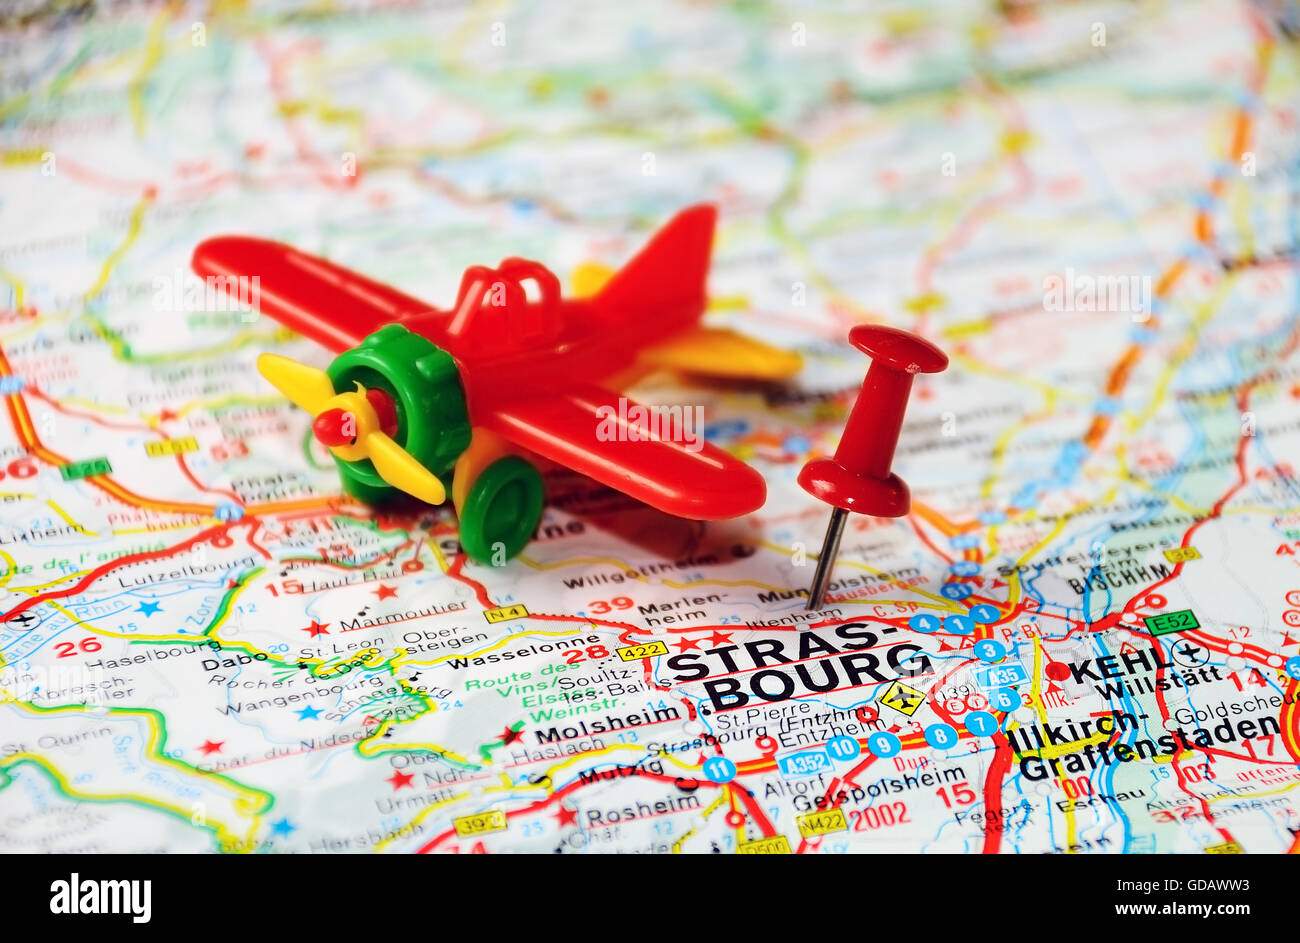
{"x": 666, "y": 279}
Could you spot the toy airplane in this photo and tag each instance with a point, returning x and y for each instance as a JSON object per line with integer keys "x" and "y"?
{"x": 418, "y": 394}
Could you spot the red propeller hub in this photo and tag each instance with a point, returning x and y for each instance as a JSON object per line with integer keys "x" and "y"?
{"x": 334, "y": 427}
{"x": 337, "y": 427}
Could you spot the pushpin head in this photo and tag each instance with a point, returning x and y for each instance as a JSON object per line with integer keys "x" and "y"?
{"x": 858, "y": 478}
{"x": 839, "y": 486}
{"x": 897, "y": 349}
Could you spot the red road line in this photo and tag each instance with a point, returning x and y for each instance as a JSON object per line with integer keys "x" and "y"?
{"x": 111, "y": 565}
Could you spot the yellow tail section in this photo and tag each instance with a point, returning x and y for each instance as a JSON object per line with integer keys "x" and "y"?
{"x": 719, "y": 352}
{"x": 715, "y": 352}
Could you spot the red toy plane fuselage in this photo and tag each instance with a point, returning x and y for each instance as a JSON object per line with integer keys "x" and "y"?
{"x": 531, "y": 367}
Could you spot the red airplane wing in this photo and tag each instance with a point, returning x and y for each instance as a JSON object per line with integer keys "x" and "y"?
{"x": 332, "y": 305}
{"x": 584, "y": 429}
{"x": 336, "y": 307}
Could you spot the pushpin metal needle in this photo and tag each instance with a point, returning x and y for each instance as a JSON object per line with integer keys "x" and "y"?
{"x": 858, "y": 478}
{"x": 826, "y": 561}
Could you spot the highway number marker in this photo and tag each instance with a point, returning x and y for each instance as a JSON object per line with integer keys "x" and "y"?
{"x": 505, "y": 613}
{"x": 1182, "y": 554}
{"x": 959, "y": 625}
{"x": 85, "y": 469}
{"x": 981, "y": 723}
{"x": 1181, "y": 621}
{"x": 637, "y": 652}
{"x": 1005, "y": 675}
{"x": 481, "y": 824}
{"x": 776, "y": 845}
{"x": 884, "y": 744}
{"x": 229, "y": 511}
{"x": 1005, "y": 699}
{"x": 804, "y": 764}
{"x": 924, "y": 623}
{"x": 171, "y": 447}
{"x": 719, "y": 769}
{"x": 956, "y": 590}
{"x": 1227, "y": 848}
{"x": 822, "y": 823}
{"x": 941, "y": 736}
{"x": 904, "y": 699}
{"x": 843, "y": 747}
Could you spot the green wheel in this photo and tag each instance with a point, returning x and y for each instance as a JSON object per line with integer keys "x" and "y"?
{"x": 502, "y": 510}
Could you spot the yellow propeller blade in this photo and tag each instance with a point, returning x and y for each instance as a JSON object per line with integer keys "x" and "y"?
{"x": 396, "y": 466}
{"x": 312, "y": 390}
{"x": 306, "y": 387}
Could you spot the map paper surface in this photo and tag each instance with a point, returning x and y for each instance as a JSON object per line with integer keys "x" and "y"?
{"x": 1084, "y": 638}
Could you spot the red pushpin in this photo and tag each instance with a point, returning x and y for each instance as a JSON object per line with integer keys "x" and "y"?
{"x": 858, "y": 478}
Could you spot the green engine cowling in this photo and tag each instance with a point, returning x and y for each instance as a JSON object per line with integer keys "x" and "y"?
{"x": 504, "y": 503}
{"x": 432, "y": 418}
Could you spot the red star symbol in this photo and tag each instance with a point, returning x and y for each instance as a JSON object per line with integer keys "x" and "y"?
{"x": 383, "y": 592}
{"x": 566, "y": 816}
{"x": 510, "y": 736}
{"x": 720, "y": 638}
{"x": 167, "y": 415}
{"x": 688, "y": 643}
{"x": 400, "y": 779}
{"x": 316, "y": 628}
{"x": 232, "y": 584}
{"x": 209, "y": 747}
